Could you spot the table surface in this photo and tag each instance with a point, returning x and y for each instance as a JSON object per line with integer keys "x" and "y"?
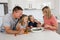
{"x": 39, "y": 35}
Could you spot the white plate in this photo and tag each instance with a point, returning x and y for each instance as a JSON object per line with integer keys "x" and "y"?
{"x": 37, "y": 29}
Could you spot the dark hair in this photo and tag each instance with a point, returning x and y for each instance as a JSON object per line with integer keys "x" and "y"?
{"x": 44, "y": 7}
{"x": 48, "y": 14}
{"x": 29, "y": 17}
{"x": 17, "y": 8}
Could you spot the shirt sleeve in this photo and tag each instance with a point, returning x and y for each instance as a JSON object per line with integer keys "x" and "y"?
{"x": 54, "y": 21}
{"x": 6, "y": 22}
{"x": 30, "y": 24}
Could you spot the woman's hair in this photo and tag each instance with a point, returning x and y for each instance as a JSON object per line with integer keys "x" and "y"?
{"x": 22, "y": 19}
{"x": 29, "y": 17}
{"x": 48, "y": 11}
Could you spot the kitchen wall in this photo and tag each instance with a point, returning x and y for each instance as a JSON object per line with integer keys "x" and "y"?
{"x": 59, "y": 8}
{"x": 56, "y": 9}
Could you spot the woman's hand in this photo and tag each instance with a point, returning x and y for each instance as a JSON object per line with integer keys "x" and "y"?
{"x": 47, "y": 26}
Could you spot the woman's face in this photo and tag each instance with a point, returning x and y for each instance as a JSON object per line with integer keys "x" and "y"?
{"x": 45, "y": 12}
{"x": 32, "y": 19}
{"x": 25, "y": 19}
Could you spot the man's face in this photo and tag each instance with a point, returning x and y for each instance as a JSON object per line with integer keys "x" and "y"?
{"x": 18, "y": 13}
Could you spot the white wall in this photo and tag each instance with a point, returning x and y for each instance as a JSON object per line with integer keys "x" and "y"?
{"x": 56, "y": 9}
{"x": 25, "y": 3}
{"x": 59, "y": 8}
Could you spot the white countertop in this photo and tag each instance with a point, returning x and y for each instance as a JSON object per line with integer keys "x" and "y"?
{"x": 39, "y": 35}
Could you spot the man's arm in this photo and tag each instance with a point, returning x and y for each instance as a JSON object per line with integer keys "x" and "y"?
{"x": 10, "y": 31}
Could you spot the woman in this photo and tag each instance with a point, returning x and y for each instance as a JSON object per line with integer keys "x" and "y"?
{"x": 50, "y": 22}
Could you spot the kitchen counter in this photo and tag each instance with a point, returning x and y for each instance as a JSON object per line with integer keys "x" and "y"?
{"x": 39, "y": 35}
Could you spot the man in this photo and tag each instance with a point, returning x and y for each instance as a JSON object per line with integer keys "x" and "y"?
{"x": 10, "y": 20}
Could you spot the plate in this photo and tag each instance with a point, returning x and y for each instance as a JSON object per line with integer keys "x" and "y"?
{"x": 37, "y": 29}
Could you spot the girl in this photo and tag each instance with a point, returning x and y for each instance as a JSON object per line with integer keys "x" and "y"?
{"x": 33, "y": 22}
{"x": 23, "y": 23}
{"x": 50, "y": 21}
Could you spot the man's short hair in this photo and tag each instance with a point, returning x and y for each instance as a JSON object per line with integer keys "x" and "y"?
{"x": 17, "y": 8}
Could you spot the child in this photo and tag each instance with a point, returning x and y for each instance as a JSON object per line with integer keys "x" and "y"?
{"x": 33, "y": 22}
{"x": 50, "y": 21}
{"x": 23, "y": 22}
